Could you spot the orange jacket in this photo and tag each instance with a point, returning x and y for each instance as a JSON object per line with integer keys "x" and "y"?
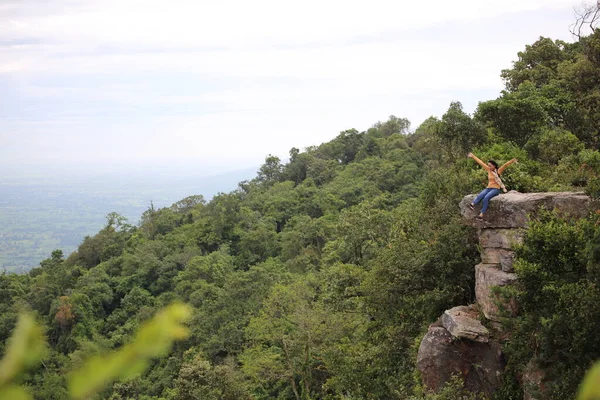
{"x": 491, "y": 181}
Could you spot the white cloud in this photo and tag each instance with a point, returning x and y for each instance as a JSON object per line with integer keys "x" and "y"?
{"x": 260, "y": 22}
{"x": 266, "y": 75}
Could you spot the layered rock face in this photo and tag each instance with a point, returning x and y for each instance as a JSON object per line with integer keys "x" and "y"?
{"x": 501, "y": 229}
{"x": 488, "y": 276}
{"x": 459, "y": 343}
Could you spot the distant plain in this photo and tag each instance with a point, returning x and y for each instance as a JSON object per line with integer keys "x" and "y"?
{"x": 39, "y": 214}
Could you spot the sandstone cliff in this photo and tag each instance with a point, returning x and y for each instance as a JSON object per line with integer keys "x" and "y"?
{"x": 458, "y": 343}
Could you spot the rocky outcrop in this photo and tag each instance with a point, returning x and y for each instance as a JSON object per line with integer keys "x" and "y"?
{"x": 513, "y": 209}
{"x": 501, "y": 230}
{"x": 462, "y": 322}
{"x": 441, "y": 355}
{"x": 459, "y": 343}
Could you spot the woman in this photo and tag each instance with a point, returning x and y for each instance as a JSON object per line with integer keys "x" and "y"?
{"x": 494, "y": 183}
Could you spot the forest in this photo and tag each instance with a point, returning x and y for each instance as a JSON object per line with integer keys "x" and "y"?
{"x": 318, "y": 278}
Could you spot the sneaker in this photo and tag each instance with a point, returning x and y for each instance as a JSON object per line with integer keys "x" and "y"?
{"x": 472, "y": 207}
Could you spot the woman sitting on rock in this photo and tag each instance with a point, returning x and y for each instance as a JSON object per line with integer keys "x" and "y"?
{"x": 494, "y": 183}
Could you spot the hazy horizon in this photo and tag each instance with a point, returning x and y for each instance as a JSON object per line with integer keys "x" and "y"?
{"x": 186, "y": 169}
{"x": 39, "y": 214}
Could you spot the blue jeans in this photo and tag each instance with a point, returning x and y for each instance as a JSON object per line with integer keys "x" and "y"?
{"x": 486, "y": 195}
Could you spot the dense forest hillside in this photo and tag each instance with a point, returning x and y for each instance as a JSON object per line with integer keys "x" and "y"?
{"x": 319, "y": 277}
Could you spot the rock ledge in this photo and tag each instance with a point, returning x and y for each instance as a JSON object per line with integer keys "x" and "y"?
{"x": 511, "y": 210}
{"x": 462, "y": 323}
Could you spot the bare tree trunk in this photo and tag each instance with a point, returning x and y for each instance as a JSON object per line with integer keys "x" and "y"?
{"x": 588, "y": 14}
{"x": 291, "y": 368}
{"x": 307, "y": 375}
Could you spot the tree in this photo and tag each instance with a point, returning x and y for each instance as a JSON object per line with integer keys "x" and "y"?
{"x": 554, "y": 144}
{"x": 587, "y": 17}
{"x": 458, "y": 132}
{"x": 198, "y": 379}
{"x": 297, "y": 169}
{"x": 516, "y": 116}
{"x": 270, "y": 172}
{"x": 392, "y": 125}
{"x": 286, "y": 338}
{"x": 117, "y": 221}
{"x": 188, "y": 204}
{"x": 343, "y": 148}
{"x": 362, "y": 230}
{"x": 557, "y": 266}
{"x": 538, "y": 64}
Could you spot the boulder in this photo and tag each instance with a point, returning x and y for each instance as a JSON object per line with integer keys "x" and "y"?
{"x": 512, "y": 209}
{"x": 488, "y": 276}
{"x": 462, "y": 322}
{"x": 441, "y": 356}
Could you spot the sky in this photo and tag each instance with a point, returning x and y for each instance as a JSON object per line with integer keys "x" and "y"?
{"x": 219, "y": 85}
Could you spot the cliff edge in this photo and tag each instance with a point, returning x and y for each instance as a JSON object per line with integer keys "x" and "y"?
{"x": 458, "y": 343}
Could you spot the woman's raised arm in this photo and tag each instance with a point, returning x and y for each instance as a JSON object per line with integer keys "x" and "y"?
{"x": 501, "y": 169}
{"x": 474, "y": 157}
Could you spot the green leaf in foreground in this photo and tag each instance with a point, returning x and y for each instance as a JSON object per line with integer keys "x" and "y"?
{"x": 590, "y": 387}
{"x": 14, "y": 392}
{"x": 26, "y": 347}
{"x": 153, "y": 339}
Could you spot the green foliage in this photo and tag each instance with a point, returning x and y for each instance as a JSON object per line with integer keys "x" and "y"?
{"x": 26, "y": 348}
{"x": 579, "y": 171}
{"x": 552, "y": 85}
{"x": 391, "y": 126}
{"x": 458, "y": 132}
{"x": 271, "y": 171}
{"x": 293, "y": 329}
{"x": 198, "y": 379}
{"x": 452, "y": 390}
{"x": 557, "y": 293}
{"x": 152, "y": 340}
{"x": 516, "y": 116}
{"x": 362, "y": 231}
{"x": 554, "y": 144}
{"x": 538, "y": 63}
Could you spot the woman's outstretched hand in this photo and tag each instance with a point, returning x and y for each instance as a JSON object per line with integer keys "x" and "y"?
{"x": 470, "y": 155}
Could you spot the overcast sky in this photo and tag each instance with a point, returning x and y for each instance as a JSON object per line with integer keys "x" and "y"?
{"x": 221, "y": 84}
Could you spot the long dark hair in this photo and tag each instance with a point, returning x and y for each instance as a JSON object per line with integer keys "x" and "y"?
{"x": 494, "y": 163}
